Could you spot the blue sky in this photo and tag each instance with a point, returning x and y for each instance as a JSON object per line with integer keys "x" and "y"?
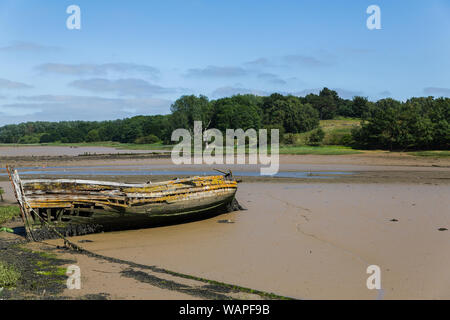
{"x": 137, "y": 57}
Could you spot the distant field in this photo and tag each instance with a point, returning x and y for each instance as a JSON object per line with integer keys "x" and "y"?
{"x": 334, "y": 130}
{"x": 438, "y": 154}
{"x": 320, "y": 150}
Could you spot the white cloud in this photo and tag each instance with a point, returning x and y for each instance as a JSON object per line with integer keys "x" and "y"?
{"x": 216, "y": 72}
{"x": 8, "y": 84}
{"x": 436, "y": 91}
{"x": 126, "y": 87}
{"x": 60, "y": 108}
{"x": 21, "y": 46}
{"x": 228, "y": 91}
{"x": 271, "y": 78}
{"x": 98, "y": 69}
{"x": 304, "y": 60}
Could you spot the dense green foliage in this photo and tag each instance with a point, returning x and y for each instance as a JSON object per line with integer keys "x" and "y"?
{"x": 126, "y": 130}
{"x": 419, "y": 123}
{"x": 316, "y": 137}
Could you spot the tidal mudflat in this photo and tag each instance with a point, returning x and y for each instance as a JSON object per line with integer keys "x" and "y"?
{"x": 310, "y": 241}
{"x": 303, "y": 238}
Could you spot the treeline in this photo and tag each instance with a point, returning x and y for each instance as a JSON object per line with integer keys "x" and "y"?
{"x": 290, "y": 114}
{"x": 140, "y": 129}
{"x": 419, "y": 123}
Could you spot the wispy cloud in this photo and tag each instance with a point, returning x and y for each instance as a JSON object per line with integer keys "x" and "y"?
{"x": 260, "y": 62}
{"x": 216, "y": 72}
{"x": 305, "y": 92}
{"x": 436, "y": 91}
{"x": 28, "y": 47}
{"x": 66, "y": 107}
{"x": 126, "y": 87}
{"x": 8, "y": 84}
{"x": 348, "y": 94}
{"x": 231, "y": 91}
{"x": 385, "y": 93}
{"x": 97, "y": 69}
{"x": 304, "y": 60}
{"x": 343, "y": 93}
{"x": 291, "y": 60}
{"x": 271, "y": 78}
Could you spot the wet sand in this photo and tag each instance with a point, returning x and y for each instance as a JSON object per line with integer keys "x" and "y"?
{"x": 37, "y": 151}
{"x": 91, "y": 156}
{"x": 300, "y": 238}
{"x": 310, "y": 241}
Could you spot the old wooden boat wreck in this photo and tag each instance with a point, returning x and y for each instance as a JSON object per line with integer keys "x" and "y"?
{"x": 75, "y": 207}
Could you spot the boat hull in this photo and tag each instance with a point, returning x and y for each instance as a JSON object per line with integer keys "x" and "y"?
{"x": 105, "y": 221}
{"x": 77, "y": 207}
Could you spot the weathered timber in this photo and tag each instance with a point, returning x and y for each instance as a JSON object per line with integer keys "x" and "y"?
{"x": 74, "y": 207}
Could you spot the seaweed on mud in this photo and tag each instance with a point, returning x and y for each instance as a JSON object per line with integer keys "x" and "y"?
{"x": 220, "y": 289}
{"x": 70, "y": 230}
{"x": 225, "y": 286}
{"x": 41, "y": 274}
{"x": 201, "y": 292}
{"x": 96, "y": 296}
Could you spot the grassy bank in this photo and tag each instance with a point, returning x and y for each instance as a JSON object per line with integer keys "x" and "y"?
{"x": 319, "y": 150}
{"x": 435, "y": 154}
{"x": 8, "y": 212}
{"x": 27, "y": 274}
{"x": 8, "y": 276}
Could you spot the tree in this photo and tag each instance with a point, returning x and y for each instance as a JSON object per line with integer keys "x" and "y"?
{"x": 93, "y": 136}
{"x": 316, "y": 137}
{"x": 289, "y": 113}
{"x": 360, "y": 105}
{"x": 419, "y": 123}
{"x": 325, "y": 103}
{"x": 237, "y": 112}
{"x": 188, "y": 109}
{"x": 150, "y": 139}
{"x": 46, "y": 138}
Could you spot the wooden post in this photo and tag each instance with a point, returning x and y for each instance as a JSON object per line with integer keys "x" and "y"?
{"x": 23, "y": 211}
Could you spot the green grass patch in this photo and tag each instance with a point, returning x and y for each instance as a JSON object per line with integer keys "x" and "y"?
{"x": 58, "y": 271}
{"x": 337, "y": 133}
{"x": 437, "y": 154}
{"x": 47, "y": 255}
{"x": 8, "y": 212}
{"x": 320, "y": 150}
{"x": 339, "y": 122}
{"x": 8, "y": 276}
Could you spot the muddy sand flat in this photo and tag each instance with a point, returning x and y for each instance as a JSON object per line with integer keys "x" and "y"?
{"x": 301, "y": 238}
{"x": 310, "y": 241}
{"x": 38, "y": 151}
